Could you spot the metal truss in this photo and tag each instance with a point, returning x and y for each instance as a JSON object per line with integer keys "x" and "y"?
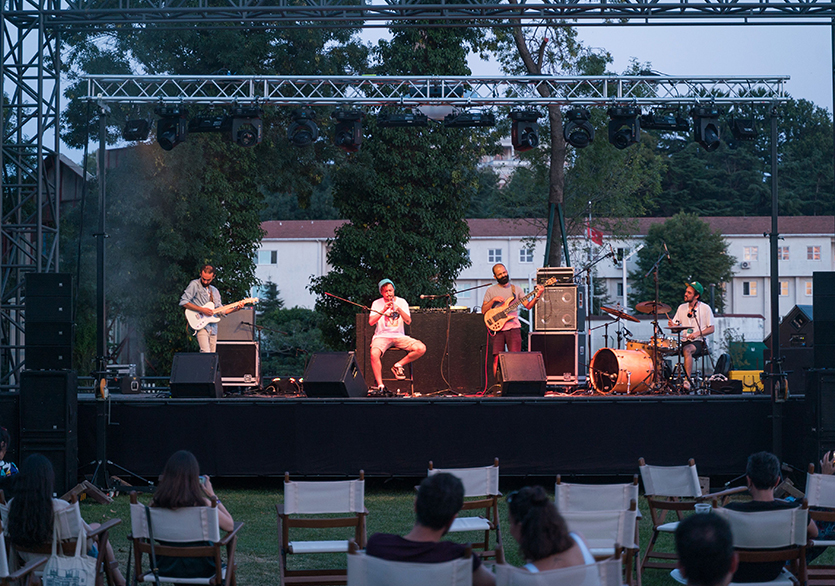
{"x": 89, "y": 14}
{"x": 29, "y": 206}
{"x": 379, "y": 91}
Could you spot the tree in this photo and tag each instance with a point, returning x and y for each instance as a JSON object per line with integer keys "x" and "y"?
{"x": 698, "y": 254}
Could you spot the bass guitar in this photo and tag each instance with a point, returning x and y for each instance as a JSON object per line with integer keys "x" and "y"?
{"x": 198, "y": 320}
{"x": 496, "y": 317}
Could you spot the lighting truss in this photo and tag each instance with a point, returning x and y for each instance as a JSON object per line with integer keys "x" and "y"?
{"x": 461, "y": 92}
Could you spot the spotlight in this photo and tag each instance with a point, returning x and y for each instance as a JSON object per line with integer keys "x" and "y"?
{"x": 624, "y": 127}
{"x": 202, "y": 123}
{"x": 524, "y": 132}
{"x": 401, "y": 119}
{"x": 469, "y": 119}
{"x": 669, "y": 121}
{"x": 348, "y": 131}
{"x": 303, "y": 131}
{"x": 136, "y": 130}
{"x": 743, "y": 129}
{"x": 577, "y": 130}
{"x": 246, "y": 126}
{"x": 706, "y": 127}
{"x": 172, "y": 127}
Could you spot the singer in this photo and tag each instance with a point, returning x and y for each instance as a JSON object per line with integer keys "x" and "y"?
{"x": 698, "y": 317}
{"x": 389, "y": 314}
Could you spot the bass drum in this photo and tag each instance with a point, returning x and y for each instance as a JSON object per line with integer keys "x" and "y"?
{"x": 621, "y": 371}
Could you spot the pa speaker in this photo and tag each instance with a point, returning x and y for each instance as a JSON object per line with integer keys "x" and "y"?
{"x": 556, "y": 310}
{"x": 196, "y": 374}
{"x": 48, "y": 402}
{"x": 521, "y": 374}
{"x": 62, "y": 454}
{"x": 334, "y": 374}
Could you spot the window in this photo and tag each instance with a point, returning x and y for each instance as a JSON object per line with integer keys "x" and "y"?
{"x": 782, "y": 253}
{"x": 469, "y": 254}
{"x": 621, "y": 252}
{"x": 267, "y": 257}
{"x": 784, "y": 288}
{"x": 749, "y": 252}
{"x": 749, "y": 288}
{"x": 813, "y": 253}
{"x": 620, "y": 289}
{"x": 808, "y": 288}
{"x": 494, "y": 255}
{"x": 526, "y": 255}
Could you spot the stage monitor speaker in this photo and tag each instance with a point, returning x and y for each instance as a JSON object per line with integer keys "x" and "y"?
{"x": 49, "y": 285}
{"x": 556, "y": 310}
{"x": 522, "y": 374}
{"x": 238, "y": 326}
{"x": 48, "y": 402}
{"x": 196, "y": 374}
{"x": 334, "y": 374}
{"x": 240, "y": 363}
{"x": 62, "y": 454}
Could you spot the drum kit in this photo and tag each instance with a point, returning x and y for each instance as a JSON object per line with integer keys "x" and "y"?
{"x": 642, "y": 367}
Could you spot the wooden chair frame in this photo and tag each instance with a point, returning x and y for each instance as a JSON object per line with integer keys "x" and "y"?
{"x": 286, "y": 522}
{"x": 229, "y": 542}
{"x": 819, "y": 574}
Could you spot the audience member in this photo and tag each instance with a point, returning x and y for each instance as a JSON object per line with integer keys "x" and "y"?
{"x": 6, "y": 468}
{"x": 705, "y": 547}
{"x": 541, "y": 532}
{"x": 181, "y": 485}
{"x": 31, "y": 512}
{"x": 763, "y": 476}
{"x": 439, "y": 498}
{"x": 826, "y": 529}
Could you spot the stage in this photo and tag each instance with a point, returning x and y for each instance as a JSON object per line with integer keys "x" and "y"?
{"x": 579, "y": 435}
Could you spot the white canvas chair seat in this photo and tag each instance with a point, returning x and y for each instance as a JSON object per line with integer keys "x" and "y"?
{"x": 785, "y": 578}
{"x": 470, "y": 524}
{"x": 338, "y": 546}
{"x": 24, "y": 575}
{"x": 820, "y": 493}
{"x": 365, "y": 570}
{"x": 149, "y": 577}
{"x": 821, "y": 542}
{"x": 668, "y": 527}
{"x": 603, "y": 530}
{"x": 604, "y": 573}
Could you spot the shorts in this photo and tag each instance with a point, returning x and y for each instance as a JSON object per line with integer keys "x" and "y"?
{"x": 512, "y": 338}
{"x": 403, "y": 343}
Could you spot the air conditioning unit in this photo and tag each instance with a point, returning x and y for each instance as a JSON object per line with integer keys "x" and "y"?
{"x": 745, "y": 265}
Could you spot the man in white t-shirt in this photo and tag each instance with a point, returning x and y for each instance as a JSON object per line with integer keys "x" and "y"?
{"x": 698, "y": 317}
{"x": 389, "y": 314}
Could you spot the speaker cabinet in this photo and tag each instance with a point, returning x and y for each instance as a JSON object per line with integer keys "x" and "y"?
{"x": 820, "y": 412}
{"x": 556, "y": 310}
{"x": 334, "y": 374}
{"x": 49, "y": 284}
{"x": 521, "y": 374}
{"x": 196, "y": 374}
{"x": 823, "y": 308}
{"x": 240, "y": 363}
{"x": 48, "y": 339}
{"x": 62, "y": 454}
{"x": 238, "y": 326}
{"x": 48, "y": 402}
{"x": 564, "y": 355}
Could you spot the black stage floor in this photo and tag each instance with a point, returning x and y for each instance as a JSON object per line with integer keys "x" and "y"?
{"x": 583, "y": 435}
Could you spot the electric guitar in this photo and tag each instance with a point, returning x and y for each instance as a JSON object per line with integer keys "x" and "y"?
{"x": 496, "y": 317}
{"x": 198, "y": 321}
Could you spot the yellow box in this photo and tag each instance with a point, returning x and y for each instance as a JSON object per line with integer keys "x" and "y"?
{"x": 751, "y": 382}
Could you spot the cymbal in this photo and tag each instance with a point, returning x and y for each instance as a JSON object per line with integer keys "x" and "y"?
{"x": 649, "y": 307}
{"x": 677, "y": 329}
{"x": 618, "y": 313}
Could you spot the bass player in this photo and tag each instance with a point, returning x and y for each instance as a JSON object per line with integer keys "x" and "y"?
{"x": 199, "y": 293}
{"x": 511, "y": 332}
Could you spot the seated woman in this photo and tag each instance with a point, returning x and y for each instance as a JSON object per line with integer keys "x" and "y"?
{"x": 31, "y": 512}
{"x": 541, "y": 532}
{"x": 181, "y": 485}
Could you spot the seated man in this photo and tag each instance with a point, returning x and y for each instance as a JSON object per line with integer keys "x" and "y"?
{"x": 438, "y": 501}
{"x": 763, "y": 476}
{"x": 705, "y": 547}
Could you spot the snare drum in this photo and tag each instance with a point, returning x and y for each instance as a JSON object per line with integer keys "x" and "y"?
{"x": 621, "y": 371}
{"x": 666, "y": 345}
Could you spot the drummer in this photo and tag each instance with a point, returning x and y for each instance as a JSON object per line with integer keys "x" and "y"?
{"x": 698, "y": 317}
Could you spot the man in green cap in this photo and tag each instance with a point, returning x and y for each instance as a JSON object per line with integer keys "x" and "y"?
{"x": 698, "y": 317}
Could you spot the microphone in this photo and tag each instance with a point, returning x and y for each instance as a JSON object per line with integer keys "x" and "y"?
{"x": 627, "y": 332}
{"x": 667, "y": 251}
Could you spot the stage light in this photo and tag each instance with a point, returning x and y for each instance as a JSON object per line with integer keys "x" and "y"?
{"x": 669, "y": 121}
{"x": 172, "y": 127}
{"x": 524, "y": 132}
{"x": 201, "y": 123}
{"x": 246, "y": 126}
{"x": 706, "y": 127}
{"x": 624, "y": 127}
{"x": 743, "y": 129}
{"x": 437, "y": 112}
{"x": 136, "y": 130}
{"x": 348, "y": 130}
{"x": 401, "y": 119}
{"x": 470, "y": 119}
{"x": 303, "y": 131}
{"x": 577, "y": 130}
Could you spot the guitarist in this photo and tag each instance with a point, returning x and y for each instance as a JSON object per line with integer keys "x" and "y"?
{"x": 511, "y": 332}
{"x": 197, "y": 294}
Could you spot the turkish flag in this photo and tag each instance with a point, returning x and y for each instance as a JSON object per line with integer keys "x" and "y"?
{"x": 595, "y": 235}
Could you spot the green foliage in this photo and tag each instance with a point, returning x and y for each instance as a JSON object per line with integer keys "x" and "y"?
{"x": 698, "y": 254}
{"x": 291, "y": 337}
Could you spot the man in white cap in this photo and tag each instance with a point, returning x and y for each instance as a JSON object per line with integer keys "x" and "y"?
{"x": 698, "y": 317}
{"x": 389, "y": 314}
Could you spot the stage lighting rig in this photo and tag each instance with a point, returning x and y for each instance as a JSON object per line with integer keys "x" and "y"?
{"x": 706, "y": 127}
{"x": 206, "y": 123}
{"x": 136, "y": 130}
{"x": 624, "y": 126}
{"x": 303, "y": 131}
{"x": 660, "y": 120}
{"x": 246, "y": 125}
{"x": 469, "y": 119}
{"x": 347, "y": 133}
{"x": 172, "y": 126}
{"x": 743, "y": 128}
{"x": 577, "y": 130}
{"x": 401, "y": 119}
{"x": 524, "y": 131}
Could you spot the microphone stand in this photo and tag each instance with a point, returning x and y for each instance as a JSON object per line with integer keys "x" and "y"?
{"x": 657, "y": 383}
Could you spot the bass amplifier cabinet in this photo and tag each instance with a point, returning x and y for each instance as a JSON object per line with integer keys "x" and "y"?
{"x": 196, "y": 374}
{"x": 334, "y": 374}
{"x": 564, "y": 355}
{"x": 238, "y": 326}
{"x": 240, "y": 364}
{"x": 521, "y": 374}
{"x": 556, "y": 310}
